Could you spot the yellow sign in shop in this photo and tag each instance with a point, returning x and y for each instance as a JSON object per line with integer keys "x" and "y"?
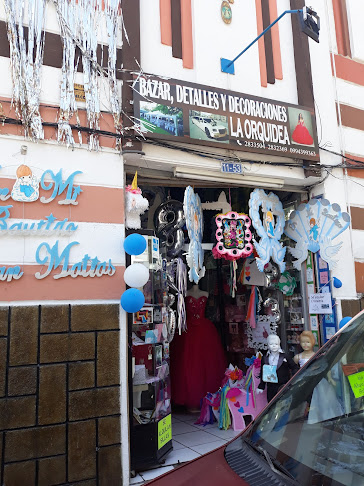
{"x": 164, "y": 431}
{"x": 357, "y": 384}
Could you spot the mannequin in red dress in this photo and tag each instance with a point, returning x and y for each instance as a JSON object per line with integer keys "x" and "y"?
{"x": 198, "y": 360}
{"x": 301, "y": 134}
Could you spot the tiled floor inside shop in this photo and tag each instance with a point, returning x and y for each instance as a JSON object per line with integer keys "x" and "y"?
{"x": 189, "y": 441}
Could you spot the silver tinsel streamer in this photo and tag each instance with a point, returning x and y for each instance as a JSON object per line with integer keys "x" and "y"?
{"x": 112, "y": 12}
{"x": 88, "y": 26}
{"x": 80, "y": 27}
{"x": 68, "y": 107}
{"x": 26, "y": 60}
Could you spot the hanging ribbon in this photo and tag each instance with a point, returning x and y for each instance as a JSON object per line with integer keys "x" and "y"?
{"x": 233, "y": 287}
{"x": 253, "y": 307}
{"x": 224, "y": 419}
{"x": 181, "y": 280}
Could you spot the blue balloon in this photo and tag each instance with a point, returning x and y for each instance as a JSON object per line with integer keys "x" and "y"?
{"x": 337, "y": 283}
{"x": 344, "y": 321}
{"x": 132, "y": 300}
{"x": 135, "y": 244}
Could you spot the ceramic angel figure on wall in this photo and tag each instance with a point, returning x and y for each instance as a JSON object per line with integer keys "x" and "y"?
{"x": 269, "y": 228}
{"x": 314, "y": 226}
{"x": 26, "y": 186}
{"x": 135, "y": 205}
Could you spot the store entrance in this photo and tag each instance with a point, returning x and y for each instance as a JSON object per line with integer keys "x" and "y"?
{"x": 191, "y": 330}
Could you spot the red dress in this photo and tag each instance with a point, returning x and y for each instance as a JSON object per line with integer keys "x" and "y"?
{"x": 302, "y": 135}
{"x": 198, "y": 360}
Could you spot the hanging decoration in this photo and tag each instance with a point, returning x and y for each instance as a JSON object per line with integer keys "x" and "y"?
{"x": 257, "y": 337}
{"x": 168, "y": 221}
{"x": 314, "y": 226}
{"x": 287, "y": 284}
{"x": 272, "y": 274}
{"x": 273, "y": 304}
{"x": 181, "y": 280}
{"x": 233, "y": 236}
{"x": 194, "y": 222}
{"x": 26, "y": 58}
{"x": 270, "y": 229}
{"x": 80, "y": 27}
{"x": 135, "y": 204}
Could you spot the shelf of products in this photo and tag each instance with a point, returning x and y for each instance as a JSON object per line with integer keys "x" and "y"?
{"x": 150, "y": 388}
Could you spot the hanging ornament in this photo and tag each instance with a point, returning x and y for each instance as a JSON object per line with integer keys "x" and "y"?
{"x": 314, "y": 226}
{"x": 273, "y": 304}
{"x": 287, "y": 283}
{"x": 169, "y": 221}
{"x": 135, "y": 204}
{"x": 269, "y": 228}
{"x": 80, "y": 22}
{"x": 26, "y": 59}
{"x": 194, "y": 222}
{"x": 233, "y": 236}
{"x": 271, "y": 272}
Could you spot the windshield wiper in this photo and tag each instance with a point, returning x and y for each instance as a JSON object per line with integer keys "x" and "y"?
{"x": 273, "y": 463}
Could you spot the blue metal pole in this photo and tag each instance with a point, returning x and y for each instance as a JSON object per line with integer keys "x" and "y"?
{"x": 228, "y": 64}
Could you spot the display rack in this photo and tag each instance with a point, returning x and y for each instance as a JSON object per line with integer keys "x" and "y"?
{"x": 149, "y": 380}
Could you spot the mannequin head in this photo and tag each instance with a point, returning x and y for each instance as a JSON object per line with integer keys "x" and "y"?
{"x": 307, "y": 341}
{"x": 274, "y": 343}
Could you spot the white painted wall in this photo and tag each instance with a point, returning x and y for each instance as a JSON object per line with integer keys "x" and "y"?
{"x": 213, "y": 39}
{"x": 103, "y": 168}
{"x": 356, "y": 31}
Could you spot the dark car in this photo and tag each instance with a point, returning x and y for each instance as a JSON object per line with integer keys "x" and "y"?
{"x": 310, "y": 434}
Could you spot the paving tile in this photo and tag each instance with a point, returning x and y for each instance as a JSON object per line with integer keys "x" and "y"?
{"x": 155, "y": 473}
{"x": 223, "y": 434}
{"x": 186, "y": 417}
{"x": 182, "y": 428}
{"x": 177, "y": 445}
{"x": 195, "y": 438}
{"x": 180, "y": 456}
{"x": 207, "y": 426}
{"x": 137, "y": 480}
{"x": 204, "y": 448}
{"x": 175, "y": 420}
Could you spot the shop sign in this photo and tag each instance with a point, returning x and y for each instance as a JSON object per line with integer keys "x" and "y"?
{"x": 320, "y": 303}
{"x": 164, "y": 431}
{"x": 26, "y": 189}
{"x": 357, "y": 384}
{"x": 182, "y": 111}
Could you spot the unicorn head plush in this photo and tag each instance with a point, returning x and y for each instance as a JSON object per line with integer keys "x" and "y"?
{"x": 135, "y": 204}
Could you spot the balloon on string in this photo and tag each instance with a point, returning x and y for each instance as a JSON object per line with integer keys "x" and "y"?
{"x": 136, "y": 275}
{"x": 344, "y": 321}
{"x": 337, "y": 283}
{"x": 132, "y": 300}
{"x": 135, "y": 244}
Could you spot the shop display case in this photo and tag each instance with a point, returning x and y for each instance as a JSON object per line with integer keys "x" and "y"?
{"x": 294, "y": 313}
{"x": 150, "y": 389}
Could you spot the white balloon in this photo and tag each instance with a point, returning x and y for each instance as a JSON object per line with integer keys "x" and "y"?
{"x": 136, "y": 275}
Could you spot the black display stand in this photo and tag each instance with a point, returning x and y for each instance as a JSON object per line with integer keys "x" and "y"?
{"x": 146, "y": 439}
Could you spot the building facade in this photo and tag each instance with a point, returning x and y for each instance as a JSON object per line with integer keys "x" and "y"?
{"x": 64, "y": 361}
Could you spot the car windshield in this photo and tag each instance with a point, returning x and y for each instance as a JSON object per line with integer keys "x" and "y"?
{"x": 209, "y": 120}
{"x": 315, "y": 428}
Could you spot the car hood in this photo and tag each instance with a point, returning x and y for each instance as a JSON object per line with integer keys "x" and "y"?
{"x": 208, "y": 470}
